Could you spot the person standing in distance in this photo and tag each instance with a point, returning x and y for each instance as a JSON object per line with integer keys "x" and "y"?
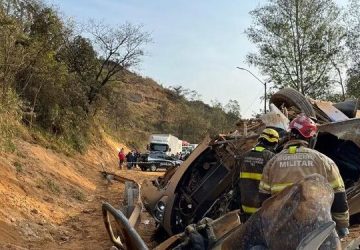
{"x": 121, "y": 156}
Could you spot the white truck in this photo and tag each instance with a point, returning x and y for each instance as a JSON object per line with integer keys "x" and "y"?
{"x": 167, "y": 143}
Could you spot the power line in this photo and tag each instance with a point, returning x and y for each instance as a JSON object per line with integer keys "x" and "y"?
{"x": 251, "y": 104}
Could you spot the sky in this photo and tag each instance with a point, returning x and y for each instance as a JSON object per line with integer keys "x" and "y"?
{"x": 195, "y": 44}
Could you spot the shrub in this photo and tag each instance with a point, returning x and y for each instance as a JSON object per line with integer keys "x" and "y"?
{"x": 10, "y": 116}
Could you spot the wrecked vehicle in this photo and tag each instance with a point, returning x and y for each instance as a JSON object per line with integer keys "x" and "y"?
{"x": 203, "y": 186}
{"x": 187, "y": 195}
{"x": 298, "y": 217}
{"x": 272, "y": 227}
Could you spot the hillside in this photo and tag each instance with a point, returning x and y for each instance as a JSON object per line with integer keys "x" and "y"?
{"x": 66, "y": 101}
{"x": 147, "y": 107}
{"x": 65, "y": 85}
{"x": 49, "y": 200}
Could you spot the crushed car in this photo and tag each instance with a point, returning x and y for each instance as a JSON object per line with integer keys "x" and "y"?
{"x": 187, "y": 195}
{"x": 265, "y": 229}
{"x": 203, "y": 185}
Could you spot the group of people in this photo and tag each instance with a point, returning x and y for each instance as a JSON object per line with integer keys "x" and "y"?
{"x": 182, "y": 156}
{"x": 264, "y": 173}
{"x": 131, "y": 158}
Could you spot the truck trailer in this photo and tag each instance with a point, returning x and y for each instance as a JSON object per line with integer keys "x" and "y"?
{"x": 167, "y": 143}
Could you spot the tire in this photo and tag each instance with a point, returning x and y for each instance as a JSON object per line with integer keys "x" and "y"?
{"x": 143, "y": 168}
{"x": 291, "y": 97}
{"x": 153, "y": 167}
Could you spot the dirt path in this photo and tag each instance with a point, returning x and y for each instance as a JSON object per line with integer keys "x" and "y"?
{"x": 49, "y": 200}
{"x": 87, "y": 231}
{"x": 52, "y": 201}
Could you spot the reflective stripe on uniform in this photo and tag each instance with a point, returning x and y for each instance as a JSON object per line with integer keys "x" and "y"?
{"x": 264, "y": 186}
{"x": 249, "y": 210}
{"x": 341, "y": 219}
{"x": 259, "y": 149}
{"x": 279, "y": 187}
{"x": 292, "y": 149}
{"x": 252, "y": 176}
{"x": 338, "y": 183}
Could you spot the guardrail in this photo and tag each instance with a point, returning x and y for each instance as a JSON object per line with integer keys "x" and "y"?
{"x": 121, "y": 231}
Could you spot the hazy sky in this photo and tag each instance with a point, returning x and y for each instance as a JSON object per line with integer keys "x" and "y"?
{"x": 196, "y": 44}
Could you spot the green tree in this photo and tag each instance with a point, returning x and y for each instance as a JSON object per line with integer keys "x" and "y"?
{"x": 352, "y": 19}
{"x": 13, "y": 51}
{"x": 353, "y": 82}
{"x": 353, "y": 44}
{"x": 232, "y": 108}
{"x": 80, "y": 58}
{"x": 299, "y": 42}
{"x": 178, "y": 92}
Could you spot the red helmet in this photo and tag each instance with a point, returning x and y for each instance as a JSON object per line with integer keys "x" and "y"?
{"x": 306, "y": 127}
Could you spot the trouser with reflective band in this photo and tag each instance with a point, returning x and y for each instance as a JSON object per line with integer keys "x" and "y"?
{"x": 251, "y": 176}
{"x": 249, "y": 210}
{"x": 249, "y": 189}
{"x": 251, "y": 170}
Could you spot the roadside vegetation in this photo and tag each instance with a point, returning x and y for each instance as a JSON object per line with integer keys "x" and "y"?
{"x": 311, "y": 46}
{"x": 66, "y": 87}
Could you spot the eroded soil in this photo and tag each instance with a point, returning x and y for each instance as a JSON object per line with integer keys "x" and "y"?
{"x": 49, "y": 200}
{"x": 52, "y": 201}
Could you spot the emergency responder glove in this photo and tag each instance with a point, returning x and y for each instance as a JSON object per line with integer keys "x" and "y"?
{"x": 195, "y": 240}
{"x": 342, "y": 232}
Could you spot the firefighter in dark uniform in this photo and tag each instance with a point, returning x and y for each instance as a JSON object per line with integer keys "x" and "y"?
{"x": 251, "y": 168}
{"x": 298, "y": 160}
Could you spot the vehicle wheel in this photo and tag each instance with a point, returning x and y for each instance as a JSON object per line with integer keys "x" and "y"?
{"x": 153, "y": 167}
{"x": 291, "y": 97}
{"x": 143, "y": 168}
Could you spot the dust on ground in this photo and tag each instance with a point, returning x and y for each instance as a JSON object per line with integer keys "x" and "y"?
{"x": 52, "y": 201}
{"x": 49, "y": 200}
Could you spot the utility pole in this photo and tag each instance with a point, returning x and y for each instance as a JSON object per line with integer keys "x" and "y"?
{"x": 263, "y": 83}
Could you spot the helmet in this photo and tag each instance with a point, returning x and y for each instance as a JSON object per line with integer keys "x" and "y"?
{"x": 270, "y": 135}
{"x": 304, "y": 125}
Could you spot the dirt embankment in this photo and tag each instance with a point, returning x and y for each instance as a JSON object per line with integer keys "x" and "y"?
{"x": 52, "y": 201}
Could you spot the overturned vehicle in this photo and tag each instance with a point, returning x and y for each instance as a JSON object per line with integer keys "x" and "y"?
{"x": 202, "y": 188}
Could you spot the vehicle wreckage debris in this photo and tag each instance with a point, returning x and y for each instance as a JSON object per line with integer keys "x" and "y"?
{"x": 184, "y": 195}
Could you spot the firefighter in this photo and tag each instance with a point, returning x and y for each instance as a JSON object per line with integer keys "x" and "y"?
{"x": 296, "y": 161}
{"x": 251, "y": 169}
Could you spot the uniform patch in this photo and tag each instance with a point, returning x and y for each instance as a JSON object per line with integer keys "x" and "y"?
{"x": 296, "y": 163}
{"x": 252, "y": 161}
{"x": 294, "y": 157}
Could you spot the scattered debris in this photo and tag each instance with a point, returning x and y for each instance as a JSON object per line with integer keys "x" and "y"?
{"x": 146, "y": 222}
{"x": 89, "y": 210}
{"x": 186, "y": 195}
